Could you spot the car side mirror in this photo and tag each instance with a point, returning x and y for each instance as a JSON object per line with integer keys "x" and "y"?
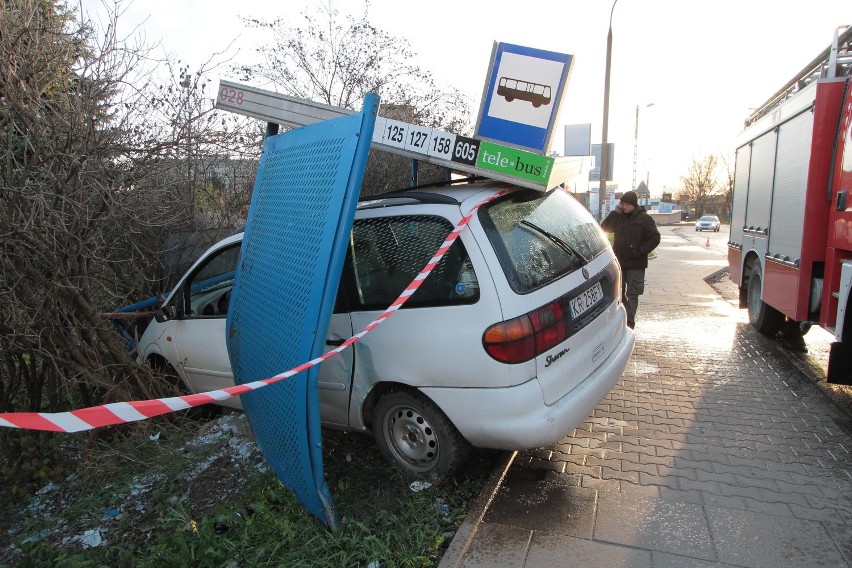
{"x": 165, "y": 313}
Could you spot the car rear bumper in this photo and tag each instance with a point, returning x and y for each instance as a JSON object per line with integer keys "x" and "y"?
{"x": 516, "y": 418}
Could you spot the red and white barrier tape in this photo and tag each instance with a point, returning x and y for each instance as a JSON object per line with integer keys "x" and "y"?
{"x": 133, "y": 411}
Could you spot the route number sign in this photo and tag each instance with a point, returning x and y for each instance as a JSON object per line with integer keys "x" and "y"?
{"x": 471, "y": 155}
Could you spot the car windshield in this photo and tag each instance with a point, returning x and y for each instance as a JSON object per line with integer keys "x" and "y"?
{"x": 540, "y": 237}
{"x": 708, "y": 218}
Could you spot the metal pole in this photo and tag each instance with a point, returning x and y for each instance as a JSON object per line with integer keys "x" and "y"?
{"x": 635, "y": 147}
{"x": 187, "y": 84}
{"x": 271, "y": 129}
{"x": 604, "y": 149}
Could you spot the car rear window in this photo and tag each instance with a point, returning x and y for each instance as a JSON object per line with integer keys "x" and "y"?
{"x": 540, "y": 237}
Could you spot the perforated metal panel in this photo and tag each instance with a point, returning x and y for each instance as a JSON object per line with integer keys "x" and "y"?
{"x": 292, "y": 256}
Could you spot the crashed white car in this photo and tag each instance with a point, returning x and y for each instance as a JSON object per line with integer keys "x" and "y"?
{"x": 510, "y": 343}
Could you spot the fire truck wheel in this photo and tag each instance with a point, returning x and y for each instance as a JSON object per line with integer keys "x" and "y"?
{"x": 766, "y": 319}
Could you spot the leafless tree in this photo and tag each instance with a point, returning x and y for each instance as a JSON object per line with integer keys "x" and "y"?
{"x": 338, "y": 60}
{"x": 727, "y": 188}
{"x": 700, "y": 187}
{"x": 101, "y": 162}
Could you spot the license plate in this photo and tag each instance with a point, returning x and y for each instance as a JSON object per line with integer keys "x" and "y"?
{"x": 581, "y": 304}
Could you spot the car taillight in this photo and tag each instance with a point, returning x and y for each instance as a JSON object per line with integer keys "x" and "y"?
{"x": 524, "y": 337}
{"x": 616, "y": 285}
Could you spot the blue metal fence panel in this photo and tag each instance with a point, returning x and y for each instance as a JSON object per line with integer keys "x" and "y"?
{"x": 293, "y": 249}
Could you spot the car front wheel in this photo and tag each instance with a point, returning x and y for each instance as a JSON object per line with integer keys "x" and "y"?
{"x": 413, "y": 434}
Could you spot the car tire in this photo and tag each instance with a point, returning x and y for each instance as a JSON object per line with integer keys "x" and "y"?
{"x": 413, "y": 434}
{"x": 766, "y": 319}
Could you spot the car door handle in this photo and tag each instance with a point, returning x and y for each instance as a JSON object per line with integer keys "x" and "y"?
{"x": 335, "y": 342}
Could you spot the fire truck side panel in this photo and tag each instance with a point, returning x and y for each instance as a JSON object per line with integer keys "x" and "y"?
{"x": 735, "y": 263}
{"x": 839, "y": 222}
{"x": 760, "y": 185}
{"x": 738, "y": 207}
{"x": 781, "y": 286}
{"x": 787, "y": 273}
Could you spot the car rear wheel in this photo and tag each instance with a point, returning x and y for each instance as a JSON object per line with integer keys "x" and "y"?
{"x": 413, "y": 434}
{"x": 766, "y": 319}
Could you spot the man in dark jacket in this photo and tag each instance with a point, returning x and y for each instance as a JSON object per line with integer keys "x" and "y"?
{"x": 636, "y": 235}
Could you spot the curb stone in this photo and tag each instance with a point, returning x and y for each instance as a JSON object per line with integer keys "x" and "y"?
{"x": 466, "y": 532}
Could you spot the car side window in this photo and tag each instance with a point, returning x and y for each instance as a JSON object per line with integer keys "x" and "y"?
{"x": 387, "y": 253}
{"x": 207, "y": 292}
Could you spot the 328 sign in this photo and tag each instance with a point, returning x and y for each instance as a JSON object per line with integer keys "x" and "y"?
{"x": 231, "y": 95}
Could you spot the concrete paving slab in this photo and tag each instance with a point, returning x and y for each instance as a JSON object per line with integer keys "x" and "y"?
{"x": 549, "y": 550}
{"x": 757, "y": 540}
{"x": 842, "y": 538}
{"x": 656, "y": 525}
{"x": 666, "y": 560}
{"x": 544, "y": 505}
{"x": 497, "y": 546}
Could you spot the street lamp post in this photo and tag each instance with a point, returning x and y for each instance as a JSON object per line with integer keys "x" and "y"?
{"x": 636, "y": 144}
{"x": 605, "y": 121}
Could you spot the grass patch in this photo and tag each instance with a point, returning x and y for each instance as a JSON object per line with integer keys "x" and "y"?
{"x": 183, "y": 493}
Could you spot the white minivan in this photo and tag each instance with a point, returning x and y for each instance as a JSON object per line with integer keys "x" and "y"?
{"x": 510, "y": 343}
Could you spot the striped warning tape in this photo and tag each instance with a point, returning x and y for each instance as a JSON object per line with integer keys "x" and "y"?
{"x": 133, "y": 411}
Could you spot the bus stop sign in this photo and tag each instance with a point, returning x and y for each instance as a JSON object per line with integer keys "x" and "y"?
{"x": 522, "y": 96}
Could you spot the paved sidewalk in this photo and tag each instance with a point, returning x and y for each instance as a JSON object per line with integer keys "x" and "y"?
{"x": 706, "y": 453}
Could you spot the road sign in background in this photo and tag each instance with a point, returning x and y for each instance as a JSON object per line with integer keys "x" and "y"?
{"x": 522, "y": 96}
{"x": 578, "y": 140}
{"x": 596, "y": 152}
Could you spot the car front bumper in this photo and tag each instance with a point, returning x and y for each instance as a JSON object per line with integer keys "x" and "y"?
{"x": 516, "y": 418}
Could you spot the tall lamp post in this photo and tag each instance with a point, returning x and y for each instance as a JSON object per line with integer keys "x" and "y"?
{"x": 636, "y": 144}
{"x": 605, "y": 122}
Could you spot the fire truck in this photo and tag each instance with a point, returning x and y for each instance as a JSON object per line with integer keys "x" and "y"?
{"x": 790, "y": 247}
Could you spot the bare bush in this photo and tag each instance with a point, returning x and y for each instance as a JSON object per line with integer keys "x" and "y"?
{"x": 100, "y": 165}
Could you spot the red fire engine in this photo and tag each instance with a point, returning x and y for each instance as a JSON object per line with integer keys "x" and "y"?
{"x": 790, "y": 248}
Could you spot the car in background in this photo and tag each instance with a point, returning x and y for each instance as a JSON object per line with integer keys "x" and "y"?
{"x": 510, "y": 343}
{"x": 708, "y": 223}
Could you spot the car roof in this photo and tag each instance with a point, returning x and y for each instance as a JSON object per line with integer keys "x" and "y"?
{"x": 454, "y": 193}
{"x": 473, "y": 192}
